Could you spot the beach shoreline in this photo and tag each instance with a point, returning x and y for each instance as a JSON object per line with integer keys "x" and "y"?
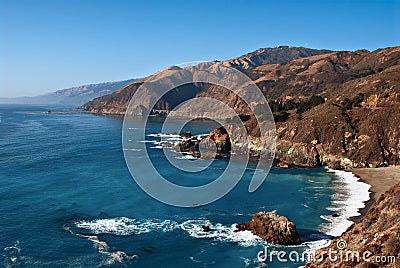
{"x": 381, "y": 179}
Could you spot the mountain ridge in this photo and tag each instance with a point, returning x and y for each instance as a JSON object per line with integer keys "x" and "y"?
{"x": 116, "y": 103}
{"x": 272, "y": 55}
{"x": 73, "y": 96}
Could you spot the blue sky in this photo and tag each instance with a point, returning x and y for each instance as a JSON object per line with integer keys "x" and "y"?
{"x": 50, "y": 45}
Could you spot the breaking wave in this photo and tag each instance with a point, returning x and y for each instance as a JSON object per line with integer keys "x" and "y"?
{"x": 349, "y": 197}
{"x": 127, "y": 226}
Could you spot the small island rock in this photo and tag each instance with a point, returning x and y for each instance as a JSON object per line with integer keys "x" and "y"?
{"x": 272, "y": 228}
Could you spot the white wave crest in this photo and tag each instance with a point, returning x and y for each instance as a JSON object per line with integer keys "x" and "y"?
{"x": 350, "y": 196}
{"x": 127, "y": 226}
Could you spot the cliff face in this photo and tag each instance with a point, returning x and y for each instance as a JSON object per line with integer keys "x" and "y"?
{"x": 378, "y": 233}
{"x": 328, "y": 134}
{"x": 363, "y": 134}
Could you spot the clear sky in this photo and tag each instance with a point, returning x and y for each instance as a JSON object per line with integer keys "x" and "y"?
{"x": 51, "y": 45}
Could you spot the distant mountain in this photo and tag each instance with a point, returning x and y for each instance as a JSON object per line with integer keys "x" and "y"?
{"x": 74, "y": 96}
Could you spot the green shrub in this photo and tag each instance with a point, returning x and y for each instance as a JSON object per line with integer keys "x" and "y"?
{"x": 347, "y": 127}
{"x": 385, "y": 95}
{"x": 281, "y": 116}
{"x": 348, "y": 104}
{"x": 290, "y": 105}
{"x": 306, "y": 105}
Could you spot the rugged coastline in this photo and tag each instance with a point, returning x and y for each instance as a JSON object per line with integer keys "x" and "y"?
{"x": 336, "y": 109}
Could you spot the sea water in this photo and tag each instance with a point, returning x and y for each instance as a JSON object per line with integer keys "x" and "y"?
{"x": 67, "y": 199}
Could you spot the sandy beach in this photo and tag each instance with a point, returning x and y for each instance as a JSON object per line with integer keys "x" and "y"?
{"x": 380, "y": 179}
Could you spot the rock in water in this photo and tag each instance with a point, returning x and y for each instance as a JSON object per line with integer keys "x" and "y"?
{"x": 272, "y": 228}
{"x": 206, "y": 228}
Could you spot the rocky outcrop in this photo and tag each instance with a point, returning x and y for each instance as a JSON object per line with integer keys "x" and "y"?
{"x": 377, "y": 235}
{"x": 272, "y": 228}
{"x": 221, "y": 140}
{"x": 296, "y": 154}
{"x": 214, "y": 145}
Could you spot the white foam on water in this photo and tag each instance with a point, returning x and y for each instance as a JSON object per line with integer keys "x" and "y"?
{"x": 135, "y": 150}
{"x": 126, "y": 226}
{"x": 188, "y": 157}
{"x": 163, "y": 135}
{"x": 157, "y": 147}
{"x": 315, "y": 245}
{"x": 349, "y": 197}
{"x": 112, "y": 257}
{"x": 220, "y": 232}
{"x": 174, "y": 139}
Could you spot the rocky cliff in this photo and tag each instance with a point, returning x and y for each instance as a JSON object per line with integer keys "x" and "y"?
{"x": 375, "y": 237}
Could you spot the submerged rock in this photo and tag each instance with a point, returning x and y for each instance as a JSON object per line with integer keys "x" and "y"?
{"x": 206, "y": 228}
{"x": 186, "y": 134}
{"x": 272, "y": 228}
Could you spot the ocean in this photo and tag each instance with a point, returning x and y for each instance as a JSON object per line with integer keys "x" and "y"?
{"x": 68, "y": 199}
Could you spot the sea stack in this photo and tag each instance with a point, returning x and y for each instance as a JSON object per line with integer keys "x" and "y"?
{"x": 272, "y": 228}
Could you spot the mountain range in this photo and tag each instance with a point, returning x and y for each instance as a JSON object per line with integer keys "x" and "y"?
{"x": 117, "y": 102}
{"x": 74, "y": 96}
